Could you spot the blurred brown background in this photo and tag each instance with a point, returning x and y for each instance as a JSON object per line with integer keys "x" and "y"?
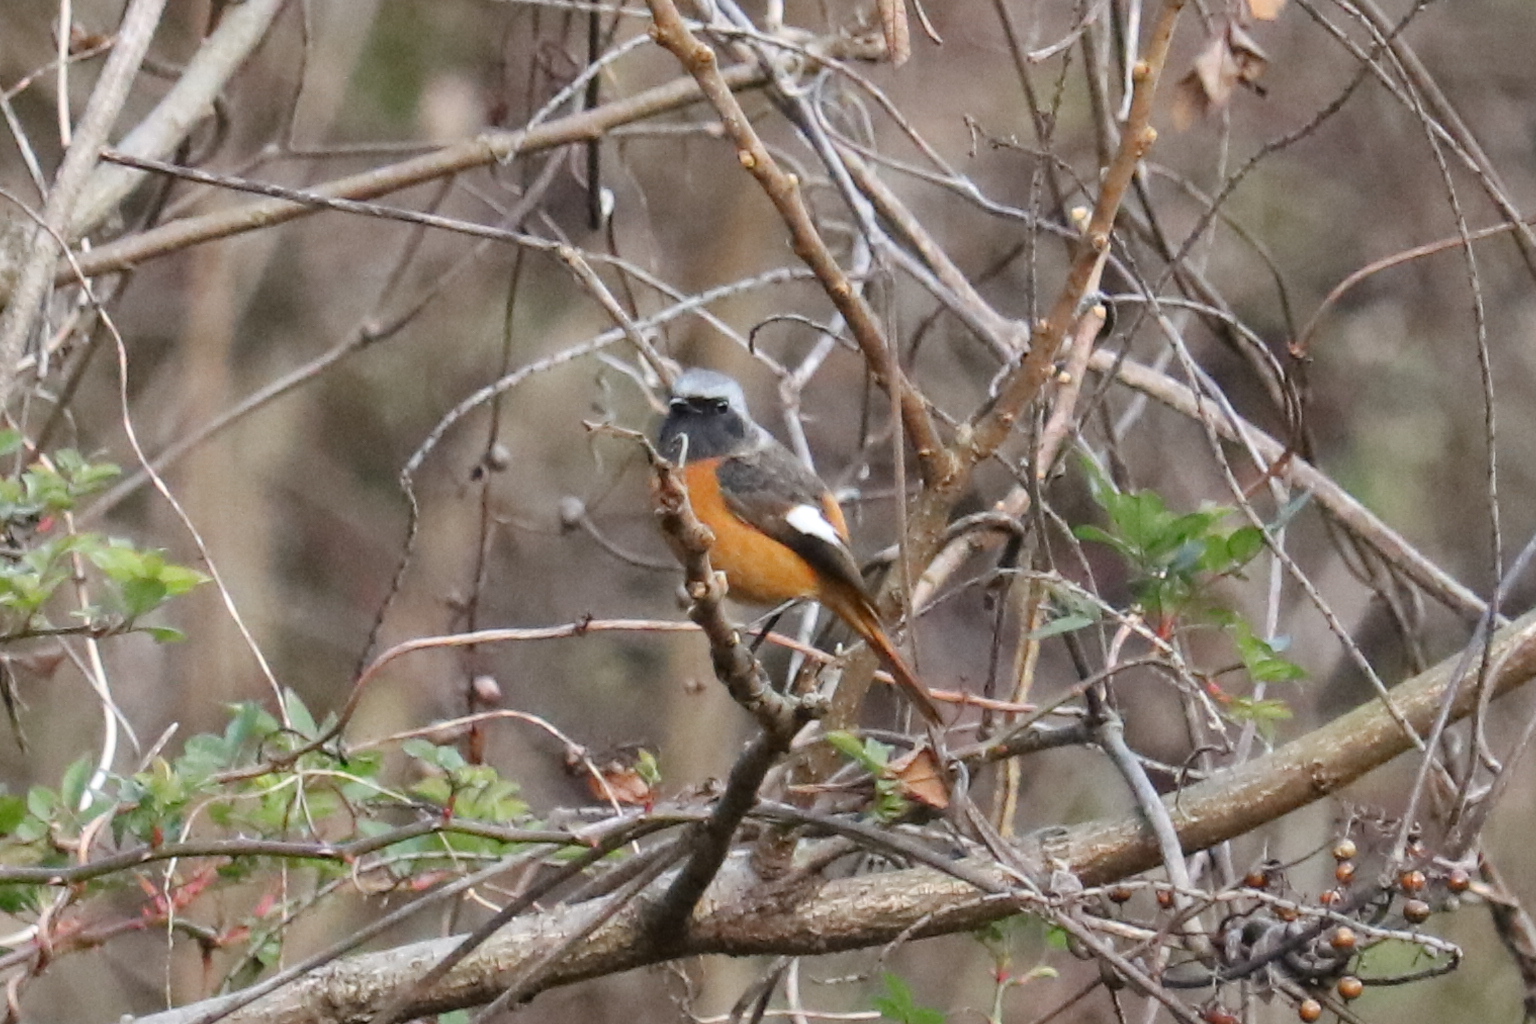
{"x": 300, "y": 504}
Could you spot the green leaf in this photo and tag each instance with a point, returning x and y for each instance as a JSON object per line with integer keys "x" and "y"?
{"x": 142, "y": 595}
{"x": 13, "y": 809}
{"x": 872, "y": 755}
{"x": 1065, "y": 624}
{"x": 76, "y": 777}
{"x": 42, "y": 802}
{"x": 178, "y": 579}
{"x": 16, "y": 899}
{"x": 450, "y": 760}
{"x": 1265, "y": 714}
{"x": 250, "y": 721}
{"x": 1262, "y": 659}
{"x": 163, "y": 634}
{"x": 299, "y": 717}
{"x": 434, "y": 790}
{"x": 1089, "y": 532}
{"x": 119, "y": 560}
{"x": 446, "y": 758}
{"x": 144, "y": 578}
{"x": 846, "y": 743}
{"x": 648, "y": 768}
{"x": 898, "y": 1004}
{"x": 1276, "y": 670}
{"x": 1244, "y": 544}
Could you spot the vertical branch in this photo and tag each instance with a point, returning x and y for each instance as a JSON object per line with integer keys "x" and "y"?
{"x": 935, "y": 463}
{"x": 978, "y": 440}
{"x": 1024, "y": 383}
{"x": 779, "y": 717}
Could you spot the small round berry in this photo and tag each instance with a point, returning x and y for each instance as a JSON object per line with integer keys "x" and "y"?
{"x": 1120, "y": 893}
{"x": 1343, "y": 939}
{"x": 1165, "y": 899}
{"x": 1256, "y": 878}
{"x": 1309, "y": 1010}
{"x": 1415, "y": 911}
{"x": 1344, "y": 872}
{"x": 1412, "y": 880}
{"x": 1329, "y": 897}
{"x": 1344, "y": 849}
{"x": 1350, "y": 987}
{"x": 1459, "y": 880}
{"x": 1218, "y": 1014}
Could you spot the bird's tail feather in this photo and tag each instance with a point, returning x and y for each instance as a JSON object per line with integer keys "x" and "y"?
{"x": 866, "y": 622}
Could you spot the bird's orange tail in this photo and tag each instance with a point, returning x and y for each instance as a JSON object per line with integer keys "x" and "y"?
{"x": 866, "y": 622}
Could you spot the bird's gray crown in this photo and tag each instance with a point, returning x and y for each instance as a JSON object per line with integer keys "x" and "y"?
{"x": 698, "y": 382}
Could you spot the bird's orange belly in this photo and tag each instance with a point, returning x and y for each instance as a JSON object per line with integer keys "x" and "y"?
{"x": 758, "y": 568}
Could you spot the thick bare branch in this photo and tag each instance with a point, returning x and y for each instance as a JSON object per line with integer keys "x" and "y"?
{"x": 871, "y": 910}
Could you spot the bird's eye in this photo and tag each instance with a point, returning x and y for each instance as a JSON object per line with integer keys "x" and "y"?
{"x": 718, "y": 405}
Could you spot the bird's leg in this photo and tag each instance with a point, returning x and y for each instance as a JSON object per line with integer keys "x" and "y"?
{"x": 769, "y": 624}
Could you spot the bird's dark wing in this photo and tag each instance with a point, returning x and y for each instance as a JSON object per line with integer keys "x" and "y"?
{"x": 773, "y": 491}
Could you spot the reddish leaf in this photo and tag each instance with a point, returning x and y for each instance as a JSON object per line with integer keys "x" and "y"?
{"x": 621, "y": 783}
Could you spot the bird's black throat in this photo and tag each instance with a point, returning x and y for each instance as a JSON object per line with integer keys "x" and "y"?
{"x": 710, "y": 426}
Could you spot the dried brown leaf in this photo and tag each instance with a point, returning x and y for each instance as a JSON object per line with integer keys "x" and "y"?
{"x": 1250, "y": 59}
{"x": 1229, "y": 58}
{"x": 920, "y": 778}
{"x": 623, "y": 784}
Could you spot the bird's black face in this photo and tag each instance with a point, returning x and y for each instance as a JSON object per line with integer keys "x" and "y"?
{"x": 710, "y": 423}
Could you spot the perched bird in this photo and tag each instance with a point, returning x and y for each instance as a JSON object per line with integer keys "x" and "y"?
{"x": 779, "y": 533}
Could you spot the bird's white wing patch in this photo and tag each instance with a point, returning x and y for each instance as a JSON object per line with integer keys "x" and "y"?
{"x": 808, "y": 519}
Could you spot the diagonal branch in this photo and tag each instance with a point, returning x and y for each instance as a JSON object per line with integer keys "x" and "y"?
{"x": 783, "y": 190}
{"x": 778, "y": 716}
{"x": 1335, "y": 500}
{"x": 35, "y": 259}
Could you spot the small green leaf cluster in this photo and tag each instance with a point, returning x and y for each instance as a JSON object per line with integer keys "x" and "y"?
{"x": 259, "y": 779}
{"x": 456, "y": 788}
{"x": 1173, "y": 556}
{"x": 37, "y": 558}
{"x": 875, "y": 758}
{"x": 900, "y": 1005}
{"x": 1174, "y": 559}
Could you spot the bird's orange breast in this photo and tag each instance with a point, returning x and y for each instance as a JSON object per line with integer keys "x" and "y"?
{"x": 758, "y": 568}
